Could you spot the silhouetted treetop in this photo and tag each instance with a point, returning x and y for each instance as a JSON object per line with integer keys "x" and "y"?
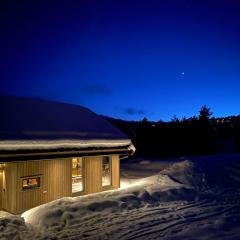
{"x": 205, "y": 113}
{"x": 175, "y": 119}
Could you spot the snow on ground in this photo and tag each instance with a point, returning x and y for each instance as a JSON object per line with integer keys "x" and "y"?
{"x": 196, "y": 198}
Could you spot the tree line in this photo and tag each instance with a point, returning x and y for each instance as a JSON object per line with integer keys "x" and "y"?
{"x": 197, "y": 135}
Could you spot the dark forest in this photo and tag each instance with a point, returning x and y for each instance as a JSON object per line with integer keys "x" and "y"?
{"x": 198, "y": 135}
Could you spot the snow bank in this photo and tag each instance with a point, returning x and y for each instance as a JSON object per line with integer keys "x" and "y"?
{"x": 163, "y": 187}
{"x": 9, "y": 227}
{"x": 15, "y": 228}
{"x": 177, "y": 203}
{"x": 188, "y": 173}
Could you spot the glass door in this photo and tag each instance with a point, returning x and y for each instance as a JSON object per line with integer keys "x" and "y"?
{"x": 106, "y": 171}
{"x": 77, "y": 174}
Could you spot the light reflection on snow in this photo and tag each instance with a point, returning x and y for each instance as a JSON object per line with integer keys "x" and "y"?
{"x": 128, "y": 183}
{"x": 165, "y": 199}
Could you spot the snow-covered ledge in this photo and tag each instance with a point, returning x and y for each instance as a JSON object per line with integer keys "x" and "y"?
{"x": 56, "y": 144}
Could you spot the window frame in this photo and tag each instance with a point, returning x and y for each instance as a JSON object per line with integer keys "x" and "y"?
{"x": 83, "y": 176}
{"x": 39, "y": 186}
{"x": 110, "y": 167}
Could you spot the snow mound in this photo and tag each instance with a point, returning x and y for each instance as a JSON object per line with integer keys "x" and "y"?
{"x": 164, "y": 187}
{"x": 179, "y": 202}
{"x": 10, "y": 227}
{"x": 187, "y": 172}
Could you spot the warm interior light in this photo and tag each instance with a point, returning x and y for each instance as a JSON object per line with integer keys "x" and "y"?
{"x": 77, "y": 174}
{"x": 2, "y": 166}
{"x": 30, "y": 182}
{"x": 106, "y": 171}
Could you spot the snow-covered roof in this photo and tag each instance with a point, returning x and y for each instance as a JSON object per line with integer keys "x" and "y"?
{"x": 27, "y": 123}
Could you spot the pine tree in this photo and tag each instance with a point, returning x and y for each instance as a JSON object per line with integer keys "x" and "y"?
{"x": 205, "y": 113}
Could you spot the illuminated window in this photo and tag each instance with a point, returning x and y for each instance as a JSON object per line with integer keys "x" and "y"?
{"x": 77, "y": 174}
{"x": 30, "y": 182}
{"x": 106, "y": 171}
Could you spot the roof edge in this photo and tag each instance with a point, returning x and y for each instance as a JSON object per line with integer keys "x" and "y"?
{"x": 14, "y": 145}
{"x": 6, "y": 156}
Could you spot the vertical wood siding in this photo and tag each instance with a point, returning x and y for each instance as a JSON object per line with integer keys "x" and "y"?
{"x": 10, "y": 188}
{"x": 31, "y": 197}
{"x": 1, "y": 188}
{"x": 115, "y": 172}
{"x": 55, "y": 181}
{"x": 93, "y": 174}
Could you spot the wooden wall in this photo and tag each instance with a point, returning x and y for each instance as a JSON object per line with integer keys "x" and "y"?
{"x": 93, "y": 173}
{"x": 1, "y": 188}
{"x": 31, "y": 197}
{"x": 56, "y": 181}
{"x": 115, "y": 171}
{"x": 9, "y": 194}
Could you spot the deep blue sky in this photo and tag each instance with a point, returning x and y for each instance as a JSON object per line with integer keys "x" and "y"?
{"x": 125, "y": 59}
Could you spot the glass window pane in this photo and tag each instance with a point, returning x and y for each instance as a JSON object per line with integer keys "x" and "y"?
{"x": 30, "y": 182}
{"x": 106, "y": 171}
{"x": 77, "y": 175}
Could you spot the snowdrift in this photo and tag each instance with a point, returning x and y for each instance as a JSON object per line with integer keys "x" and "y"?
{"x": 176, "y": 183}
{"x": 184, "y": 201}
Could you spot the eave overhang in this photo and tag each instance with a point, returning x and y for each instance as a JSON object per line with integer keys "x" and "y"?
{"x": 6, "y": 156}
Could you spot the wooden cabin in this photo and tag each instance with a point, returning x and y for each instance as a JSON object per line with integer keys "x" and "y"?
{"x": 50, "y": 150}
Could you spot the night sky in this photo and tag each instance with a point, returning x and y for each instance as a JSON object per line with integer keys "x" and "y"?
{"x": 124, "y": 59}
